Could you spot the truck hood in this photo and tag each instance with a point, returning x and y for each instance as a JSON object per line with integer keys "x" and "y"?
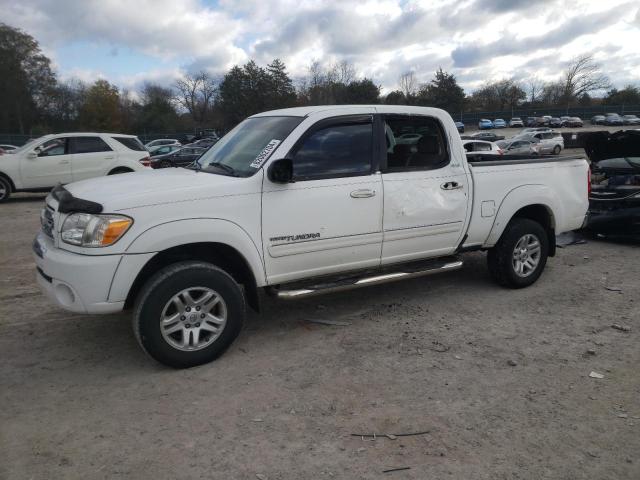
{"x": 156, "y": 187}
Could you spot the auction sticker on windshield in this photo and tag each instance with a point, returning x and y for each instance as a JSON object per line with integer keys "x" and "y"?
{"x": 265, "y": 154}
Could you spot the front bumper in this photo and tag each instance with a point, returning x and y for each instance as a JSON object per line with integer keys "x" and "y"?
{"x": 78, "y": 283}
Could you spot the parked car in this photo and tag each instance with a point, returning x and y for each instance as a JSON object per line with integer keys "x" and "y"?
{"x": 516, "y": 122}
{"x": 555, "y": 122}
{"x": 485, "y": 124}
{"x": 180, "y": 246}
{"x": 488, "y": 136}
{"x": 542, "y": 121}
{"x": 613, "y": 119}
{"x": 597, "y": 120}
{"x": 626, "y": 119}
{"x": 481, "y": 147}
{"x": 6, "y": 148}
{"x": 563, "y": 120}
{"x": 499, "y": 123}
{"x": 63, "y": 158}
{"x": 573, "y": 122}
{"x": 614, "y": 201}
{"x": 520, "y": 147}
{"x": 178, "y": 158}
{"x": 203, "y": 142}
{"x": 161, "y": 141}
{"x": 535, "y": 130}
{"x": 549, "y": 142}
{"x": 531, "y": 121}
{"x": 460, "y": 127}
{"x": 163, "y": 149}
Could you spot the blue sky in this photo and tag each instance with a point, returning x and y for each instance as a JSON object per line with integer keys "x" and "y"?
{"x": 132, "y": 41}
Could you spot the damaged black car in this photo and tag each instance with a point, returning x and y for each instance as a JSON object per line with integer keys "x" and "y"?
{"x": 614, "y": 201}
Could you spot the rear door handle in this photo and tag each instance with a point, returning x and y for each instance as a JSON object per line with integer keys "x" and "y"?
{"x": 451, "y": 186}
{"x": 64, "y": 162}
{"x": 363, "y": 193}
{"x": 109, "y": 158}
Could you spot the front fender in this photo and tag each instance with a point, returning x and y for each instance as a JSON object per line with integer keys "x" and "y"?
{"x": 518, "y": 198}
{"x": 197, "y": 230}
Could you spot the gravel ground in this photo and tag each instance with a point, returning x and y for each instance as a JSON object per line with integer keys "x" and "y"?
{"x": 496, "y": 381}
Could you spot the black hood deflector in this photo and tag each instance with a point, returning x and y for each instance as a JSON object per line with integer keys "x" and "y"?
{"x": 67, "y": 203}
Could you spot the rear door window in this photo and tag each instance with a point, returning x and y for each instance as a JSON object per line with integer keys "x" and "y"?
{"x": 425, "y": 150}
{"x": 132, "y": 143}
{"x": 482, "y": 147}
{"x": 90, "y": 145}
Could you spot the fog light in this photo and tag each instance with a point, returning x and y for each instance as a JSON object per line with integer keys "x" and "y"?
{"x": 65, "y": 295}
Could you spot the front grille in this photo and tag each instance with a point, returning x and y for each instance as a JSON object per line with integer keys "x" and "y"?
{"x": 46, "y": 220}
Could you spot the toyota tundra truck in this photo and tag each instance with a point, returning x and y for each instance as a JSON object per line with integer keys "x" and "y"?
{"x": 298, "y": 202}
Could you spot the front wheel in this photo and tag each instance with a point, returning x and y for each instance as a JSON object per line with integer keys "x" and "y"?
{"x": 5, "y": 189}
{"x": 519, "y": 257}
{"x": 556, "y": 150}
{"x": 188, "y": 314}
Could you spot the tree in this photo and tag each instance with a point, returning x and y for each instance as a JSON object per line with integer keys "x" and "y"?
{"x": 196, "y": 94}
{"x": 498, "y": 96}
{"x": 395, "y": 97}
{"x": 443, "y": 92}
{"x": 361, "y": 92}
{"x": 65, "y": 103}
{"x": 244, "y": 91}
{"x": 281, "y": 93}
{"x": 100, "y": 110}
{"x": 157, "y": 112}
{"x": 26, "y": 80}
{"x": 534, "y": 89}
{"x": 583, "y": 75}
{"x": 629, "y": 95}
{"x": 408, "y": 85}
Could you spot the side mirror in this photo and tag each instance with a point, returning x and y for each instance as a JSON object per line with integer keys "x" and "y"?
{"x": 281, "y": 171}
{"x": 32, "y": 155}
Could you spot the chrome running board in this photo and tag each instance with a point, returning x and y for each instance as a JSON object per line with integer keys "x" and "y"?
{"x": 370, "y": 277}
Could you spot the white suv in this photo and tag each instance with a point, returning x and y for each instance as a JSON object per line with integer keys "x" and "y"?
{"x": 68, "y": 157}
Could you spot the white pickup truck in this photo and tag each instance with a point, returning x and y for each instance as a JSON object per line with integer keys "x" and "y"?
{"x": 297, "y": 202}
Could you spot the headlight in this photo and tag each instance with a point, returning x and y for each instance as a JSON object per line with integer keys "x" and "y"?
{"x": 86, "y": 230}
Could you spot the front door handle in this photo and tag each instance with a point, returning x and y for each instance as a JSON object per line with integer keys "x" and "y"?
{"x": 451, "y": 186}
{"x": 63, "y": 162}
{"x": 363, "y": 193}
{"x": 109, "y": 157}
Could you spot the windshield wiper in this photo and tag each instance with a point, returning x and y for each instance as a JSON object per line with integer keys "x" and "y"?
{"x": 222, "y": 166}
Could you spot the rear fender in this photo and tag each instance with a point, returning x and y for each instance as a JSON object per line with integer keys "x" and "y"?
{"x": 518, "y": 198}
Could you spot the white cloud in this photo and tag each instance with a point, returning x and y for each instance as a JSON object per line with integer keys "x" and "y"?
{"x": 475, "y": 39}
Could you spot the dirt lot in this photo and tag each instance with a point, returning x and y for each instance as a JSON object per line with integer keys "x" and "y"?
{"x": 498, "y": 380}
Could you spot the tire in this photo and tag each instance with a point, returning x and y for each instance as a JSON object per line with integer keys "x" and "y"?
{"x": 501, "y": 258}
{"x": 117, "y": 171}
{"x": 5, "y": 189}
{"x": 556, "y": 150}
{"x": 157, "y": 301}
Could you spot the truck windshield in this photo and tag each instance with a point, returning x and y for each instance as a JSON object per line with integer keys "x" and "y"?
{"x": 243, "y": 150}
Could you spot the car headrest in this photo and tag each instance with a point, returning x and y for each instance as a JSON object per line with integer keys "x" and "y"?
{"x": 428, "y": 144}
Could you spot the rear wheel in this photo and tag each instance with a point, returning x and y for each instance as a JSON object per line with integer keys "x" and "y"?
{"x": 519, "y": 257}
{"x": 188, "y": 314}
{"x": 116, "y": 171}
{"x": 556, "y": 150}
{"x": 5, "y": 189}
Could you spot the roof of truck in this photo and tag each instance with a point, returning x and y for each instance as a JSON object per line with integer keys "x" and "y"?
{"x": 306, "y": 111}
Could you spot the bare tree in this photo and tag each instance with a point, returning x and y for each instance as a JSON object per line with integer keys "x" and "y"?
{"x": 408, "y": 84}
{"x": 196, "y": 93}
{"x": 583, "y": 76}
{"x": 534, "y": 89}
{"x": 346, "y": 72}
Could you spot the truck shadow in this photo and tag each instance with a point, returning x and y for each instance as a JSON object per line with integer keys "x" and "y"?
{"x": 105, "y": 345}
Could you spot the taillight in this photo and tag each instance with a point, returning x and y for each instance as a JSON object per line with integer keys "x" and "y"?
{"x": 145, "y": 161}
{"x": 589, "y": 181}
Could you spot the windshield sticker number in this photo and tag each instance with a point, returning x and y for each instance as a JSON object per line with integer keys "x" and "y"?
{"x": 265, "y": 154}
